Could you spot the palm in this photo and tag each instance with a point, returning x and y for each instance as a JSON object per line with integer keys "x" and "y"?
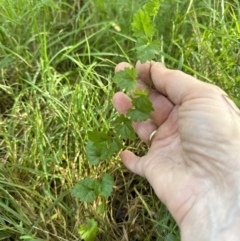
{"x": 171, "y": 157}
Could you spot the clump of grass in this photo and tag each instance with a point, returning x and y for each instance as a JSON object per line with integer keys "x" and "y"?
{"x": 56, "y": 61}
{"x": 204, "y": 41}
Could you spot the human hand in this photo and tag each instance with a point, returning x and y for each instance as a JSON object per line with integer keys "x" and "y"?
{"x": 193, "y": 163}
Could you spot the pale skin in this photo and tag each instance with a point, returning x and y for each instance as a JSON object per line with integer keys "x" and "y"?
{"x": 193, "y": 163}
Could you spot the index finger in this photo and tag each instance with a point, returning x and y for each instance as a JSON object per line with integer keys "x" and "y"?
{"x": 178, "y": 86}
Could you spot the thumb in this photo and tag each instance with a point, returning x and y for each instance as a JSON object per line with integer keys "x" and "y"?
{"x": 132, "y": 162}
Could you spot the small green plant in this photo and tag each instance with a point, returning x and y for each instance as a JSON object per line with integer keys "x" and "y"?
{"x": 103, "y": 144}
{"x": 144, "y": 29}
{"x": 88, "y": 232}
{"x": 88, "y": 189}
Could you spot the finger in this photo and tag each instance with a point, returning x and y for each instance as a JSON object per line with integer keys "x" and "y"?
{"x": 144, "y": 129}
{"x": 132, "y": 162}
{"x": 178, "y": 86}
{"x": 142, "y": 69}
{"x": 144, "y": 81}
{"x": 172, "y": 83}
{"x": 162, "y": 107}
{"x": 122, "y": 66}
{"x": 168, "y": 128}
{"x": 122, "y": 102}
{"x": 144, "y": 74}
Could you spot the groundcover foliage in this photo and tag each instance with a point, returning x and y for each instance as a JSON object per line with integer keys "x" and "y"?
{"x": 56, "y": 84}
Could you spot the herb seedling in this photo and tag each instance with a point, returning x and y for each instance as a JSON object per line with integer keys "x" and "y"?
{"x": 102, "y": 145}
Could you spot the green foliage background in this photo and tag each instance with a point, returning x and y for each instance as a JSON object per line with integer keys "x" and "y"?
{"x": 56, "y": 68}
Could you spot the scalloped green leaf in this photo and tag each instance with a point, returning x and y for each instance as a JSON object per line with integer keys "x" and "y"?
{"x": 143, "y": 25}
{"x": 146, "y": 51}
{"x": 126, "y": 79}
{"x": 85, "y": 190}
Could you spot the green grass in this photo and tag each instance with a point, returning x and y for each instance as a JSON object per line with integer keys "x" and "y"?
{"x": 56, "y": 69}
